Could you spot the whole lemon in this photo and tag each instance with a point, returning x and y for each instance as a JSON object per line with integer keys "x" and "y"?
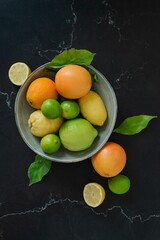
{"x": 92, "y": 108}
{"x": 39, "y": 125}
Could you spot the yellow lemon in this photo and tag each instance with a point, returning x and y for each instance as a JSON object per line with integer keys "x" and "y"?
{"x": 40, "y": 125}
{"x": 92, "y": 108}
{"x": 93, "y": 194}
{"x": 18, "y": 73}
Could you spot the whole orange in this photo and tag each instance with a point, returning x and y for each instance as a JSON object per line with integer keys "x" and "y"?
{"x": 40, "y": 90}
{"x": 73, "y": 81}
{"x": 110, "y": 160}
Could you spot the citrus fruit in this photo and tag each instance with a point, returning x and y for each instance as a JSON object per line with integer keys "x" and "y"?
{"x": 50, "y": 143}
{"x": 73, "y": 81}
{"x": 92, "y": 108}
{"x": 93, "y": 194}
{"x": 18, "y": 73}
{"x": 119, "y": 184}
{"x": 110, "y": 160}
{"x": 77, "y": 134}
{"x": 51, "y": 108}
{"x": 70, "y": 109}
{"x": 40, "y": 90}
{"x": 39, "y": 125}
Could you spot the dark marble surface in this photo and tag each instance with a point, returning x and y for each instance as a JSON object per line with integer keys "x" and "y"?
{"x": 126, "y": 37}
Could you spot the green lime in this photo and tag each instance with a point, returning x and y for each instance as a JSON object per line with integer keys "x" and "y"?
{"x": 119, "y": 184}
{"x": 70, "y": 109}
{"x": 77, "y": 134}
{"x": 50, "y": 143}
{"x": 51, "y": 108}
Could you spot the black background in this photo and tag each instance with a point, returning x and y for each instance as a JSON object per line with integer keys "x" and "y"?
{"x": 125, "y": 36}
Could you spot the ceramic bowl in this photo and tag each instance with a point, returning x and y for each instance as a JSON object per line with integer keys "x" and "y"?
{"x": 23, "y": 111}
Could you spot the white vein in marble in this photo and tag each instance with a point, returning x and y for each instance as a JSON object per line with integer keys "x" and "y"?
{"x": 109, "y": 18}
{"x": 8, "y": 98}
{"x": 53, "y": 201}
{"x": 127, "y": 75}
{"x": 63, "y": 45}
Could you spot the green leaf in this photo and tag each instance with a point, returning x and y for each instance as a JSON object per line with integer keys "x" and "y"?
{"x": 133, "y": 125}
{"x": 94, "y": 76}
{"x": 38, "y": 169}
{"x": 72, "y": 56}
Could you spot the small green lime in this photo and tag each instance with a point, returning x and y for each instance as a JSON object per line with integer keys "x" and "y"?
{"x": 70, "y": 109}
{"x": 51, "y": 108}
{"x": 119, "y": 184}
{"x": 50, "y": 143}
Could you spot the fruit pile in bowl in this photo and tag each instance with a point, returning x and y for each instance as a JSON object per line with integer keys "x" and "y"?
{"x": 63, "y": 113}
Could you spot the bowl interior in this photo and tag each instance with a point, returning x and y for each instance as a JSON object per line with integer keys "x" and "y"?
{"x": 23, "y": 111}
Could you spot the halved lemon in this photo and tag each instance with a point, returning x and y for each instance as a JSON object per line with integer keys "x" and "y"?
{"x": 18, "y": 73}
{"x": 93, "y": 194}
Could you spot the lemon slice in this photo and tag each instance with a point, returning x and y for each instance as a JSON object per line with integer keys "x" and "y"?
{"x": 18, "y": 73}
{"x": 93, "y": 194}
